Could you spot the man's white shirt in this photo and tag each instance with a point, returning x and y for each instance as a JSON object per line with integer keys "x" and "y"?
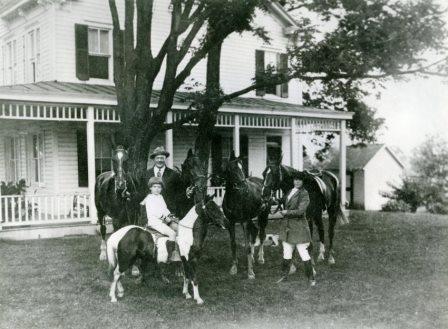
{"x": 157, "y": 169}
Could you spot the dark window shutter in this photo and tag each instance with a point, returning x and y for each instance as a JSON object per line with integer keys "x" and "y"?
{"x": 82, "y": 51}
{"x": 259, "y": 70}
{"x": 284, "y": 69}
{"x": 81, "y": 143}
{"x": 99, "y": 67}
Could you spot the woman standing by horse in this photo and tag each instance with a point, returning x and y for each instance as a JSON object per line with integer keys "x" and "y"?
{"x": 294, "y": 229}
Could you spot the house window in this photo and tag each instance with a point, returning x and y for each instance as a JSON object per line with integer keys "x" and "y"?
{"x": 103, "y": 153}
{"x": 273, "y": 148}
{"x": 12, "y": 152}
{"x": 272, "y": 62}
{"x": 99, "y": 53}
{"x": 33, "y": 55}
{"x": 37, "y": 158}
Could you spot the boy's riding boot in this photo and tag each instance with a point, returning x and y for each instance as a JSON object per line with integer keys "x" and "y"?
{"x": 309, "y": 271}
{"x": 286, "y": 264}
{"x": 170, "y": 247}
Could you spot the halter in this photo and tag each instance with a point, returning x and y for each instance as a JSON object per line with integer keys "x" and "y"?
{"x": 203, "y": 209}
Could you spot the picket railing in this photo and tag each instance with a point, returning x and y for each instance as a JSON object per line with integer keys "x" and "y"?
{"x": 18, "y": 210}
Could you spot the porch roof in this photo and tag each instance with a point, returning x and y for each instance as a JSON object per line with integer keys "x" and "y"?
{"x": 104, "y": 95}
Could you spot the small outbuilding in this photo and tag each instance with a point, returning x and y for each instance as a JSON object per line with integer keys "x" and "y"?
{"x": 370, "y": 167}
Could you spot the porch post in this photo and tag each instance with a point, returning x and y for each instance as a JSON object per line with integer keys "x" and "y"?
{"x": 296, "y": 146}
{"x": 236, "y": 135}
{"x": 342, "y": 163}
{"x": 169, "y": 140}
{"x": 91, "y": 161}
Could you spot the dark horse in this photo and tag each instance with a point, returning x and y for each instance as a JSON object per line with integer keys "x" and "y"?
{"x": 323, "y": 189}
{"x": 242, "y": 203}
{"x": 117, "y": 195}
{"x": 133, "y": 242}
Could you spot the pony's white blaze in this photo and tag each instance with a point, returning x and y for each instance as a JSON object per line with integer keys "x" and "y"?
{"x": 184, "y": 237}
{"x": 240, "y": 166}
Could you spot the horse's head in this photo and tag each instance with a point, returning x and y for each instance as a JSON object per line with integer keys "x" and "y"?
{"x": 193, "y": 173}
{"x": 212, "y": 213}
{"x": 272, "y": 177}
{"x": 234, "y": 172}
{"x": 120, "y": 156}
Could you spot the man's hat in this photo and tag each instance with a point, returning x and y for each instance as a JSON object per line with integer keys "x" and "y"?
{"x": 155, "y": 180}
{"x": 159, "y": 151}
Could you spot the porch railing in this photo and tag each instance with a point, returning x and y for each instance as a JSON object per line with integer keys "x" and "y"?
{"x": 19, "y": 210}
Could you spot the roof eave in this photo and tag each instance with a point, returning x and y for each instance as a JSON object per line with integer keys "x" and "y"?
{"x": 13, "y": 8}
{"x": 290, "y": 25}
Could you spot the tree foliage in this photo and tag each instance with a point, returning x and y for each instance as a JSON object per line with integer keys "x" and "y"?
{"x": 427, "y": 184}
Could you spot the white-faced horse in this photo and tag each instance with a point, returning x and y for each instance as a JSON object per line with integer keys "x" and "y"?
{"x": 132, "y": 242}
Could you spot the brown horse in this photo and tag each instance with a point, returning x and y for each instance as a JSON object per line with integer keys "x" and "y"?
{"x": 242, "y": 203}
{"x": 323, "y": 189}
{"x": 117, "y": 195}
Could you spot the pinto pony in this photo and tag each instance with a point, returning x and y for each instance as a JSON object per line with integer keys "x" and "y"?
{"x": 323, "y": 189}
{"x": 132, "y": 242}
{"x": 242, "y": 203}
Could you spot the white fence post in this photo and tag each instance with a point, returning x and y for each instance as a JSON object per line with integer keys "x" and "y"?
{"x": 169, "y": 140}
{"x": 236, "y": 136}
{"x": 342, "y": 163}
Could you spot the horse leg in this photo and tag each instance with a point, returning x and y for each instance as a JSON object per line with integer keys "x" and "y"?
{"x": 332, "y": 217}
{"x": 120, "y": 289}
{"x": 250, "y": 233}
{"x": 103, "y": 255}
{"x": 234, "y": 268}
{"x": 320, "y": 229}
{"x": 262, "y": 236}
{"x": 186, "y": 274}
{"x": 113, "y": 286}
{"x": 194, "y": 281}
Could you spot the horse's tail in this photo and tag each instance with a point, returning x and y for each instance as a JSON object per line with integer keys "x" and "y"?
{"x": 341, "y": 218}
{"x": 111, "y": 258}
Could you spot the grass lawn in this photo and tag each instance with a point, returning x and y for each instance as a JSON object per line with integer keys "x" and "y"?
{"x": 391, "y": 271}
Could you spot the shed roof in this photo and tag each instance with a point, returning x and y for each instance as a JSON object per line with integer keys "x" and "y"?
{"x": 359, "y": 155}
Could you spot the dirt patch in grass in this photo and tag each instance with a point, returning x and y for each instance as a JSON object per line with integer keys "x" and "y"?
{"x": 391, "y": 271}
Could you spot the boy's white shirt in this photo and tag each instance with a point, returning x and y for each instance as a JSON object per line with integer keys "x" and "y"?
{"x": 156, "y": 207}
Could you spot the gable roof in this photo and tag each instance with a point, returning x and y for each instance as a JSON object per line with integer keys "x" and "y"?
{"x": 358, "y": 156}
{"x": 94, "y": 94}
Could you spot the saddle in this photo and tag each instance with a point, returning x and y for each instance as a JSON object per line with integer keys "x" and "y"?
{"x": 165, "y": 251}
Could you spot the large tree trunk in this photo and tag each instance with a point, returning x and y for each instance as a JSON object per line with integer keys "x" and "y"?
{"x": 209, "y": 111}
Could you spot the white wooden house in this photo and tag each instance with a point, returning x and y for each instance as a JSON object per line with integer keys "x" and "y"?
{"x": 54, "y": 126}
{"x": 370, "y": 169}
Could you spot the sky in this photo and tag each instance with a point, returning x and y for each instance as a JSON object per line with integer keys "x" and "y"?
{"x": 413, "y": 110}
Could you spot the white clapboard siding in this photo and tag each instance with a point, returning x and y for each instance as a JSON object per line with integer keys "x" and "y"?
{"x": 41, "y": 17}
{"x": 67, "y": 160}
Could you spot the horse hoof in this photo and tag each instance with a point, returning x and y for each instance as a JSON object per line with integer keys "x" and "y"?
{"x": 331, "y": 260}
{"x": 261, "y": 261}
{"x": 251, "y": 276}
{"x": 292, "y": 269}
{"x": 103, "y": 256}
{"x": 187, "y": 296}
{"x": 320, "y": 258}
{"x": 199, "y": 301}
{"x": 120, "y": 294}
{"x": 113, "y": 300}
{"x": 233, "y": 270}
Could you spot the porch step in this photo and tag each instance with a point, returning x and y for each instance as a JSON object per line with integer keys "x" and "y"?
{"x": 49, "y": 231}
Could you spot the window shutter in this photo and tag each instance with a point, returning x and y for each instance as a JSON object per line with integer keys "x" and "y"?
{"x": 259, "y": 69}
{"x": 82, "y": 52}
{"x": 283, "y": 68}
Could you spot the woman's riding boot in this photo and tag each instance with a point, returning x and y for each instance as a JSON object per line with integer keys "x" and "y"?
{"x": 286, "y": 264}
{"x": 309, "y": 271}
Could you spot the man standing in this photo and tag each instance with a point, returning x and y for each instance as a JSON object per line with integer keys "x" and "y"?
{"x": 171, "y": 179}
{"x": 294, "y": 229}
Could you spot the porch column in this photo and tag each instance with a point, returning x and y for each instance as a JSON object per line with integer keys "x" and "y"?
{"x": 296, "y": 146}
{"x": 91, "y": 161}
{"x": 342, "y": 163}
{"x": 169, "y": 140}
{"x": 236, "y": 135}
